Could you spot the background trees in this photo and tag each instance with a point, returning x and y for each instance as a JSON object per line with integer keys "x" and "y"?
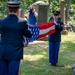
{"x": 54, "y": 4}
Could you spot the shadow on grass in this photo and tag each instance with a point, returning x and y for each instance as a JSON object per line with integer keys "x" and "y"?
{"x": 42, "y": 67}
{"x": 36, "y": 60}
{"x": 36, "y": 48}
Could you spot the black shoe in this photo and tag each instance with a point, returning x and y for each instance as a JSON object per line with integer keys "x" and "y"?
{"x": 53, "y": 64}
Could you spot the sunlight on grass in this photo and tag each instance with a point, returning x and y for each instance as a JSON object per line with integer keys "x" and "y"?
{"x": 69, "y": 37}
{"x": 33, "y": 57}
{"x": 67, "y": 66}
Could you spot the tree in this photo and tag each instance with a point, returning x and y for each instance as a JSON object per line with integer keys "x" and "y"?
{"x": 34, "y": 1}
{"x": 49, "y": 1}
{"x": 53, "y": 4}
{"x": 67, "y": 10}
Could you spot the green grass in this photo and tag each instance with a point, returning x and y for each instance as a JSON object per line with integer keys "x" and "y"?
{"x": 35, "y": 60}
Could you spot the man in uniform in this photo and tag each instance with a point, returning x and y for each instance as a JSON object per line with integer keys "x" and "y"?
{"x": 55, "y": 39}
{"x": 11, "y": 45}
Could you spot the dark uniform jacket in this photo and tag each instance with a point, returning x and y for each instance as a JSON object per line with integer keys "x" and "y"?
{"x": 12, "y": 31}
{"x": 56, "y": 37}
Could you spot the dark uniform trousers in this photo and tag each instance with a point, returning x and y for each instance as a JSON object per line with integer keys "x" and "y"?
{"x": 54, "y": 51}
{"x": 9, "y": 67}
{"x": 11, "y": 45}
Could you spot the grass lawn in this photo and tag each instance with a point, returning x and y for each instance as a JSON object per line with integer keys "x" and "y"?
{"x": 35, "y": 60}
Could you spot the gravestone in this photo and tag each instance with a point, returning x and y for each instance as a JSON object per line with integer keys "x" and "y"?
{"x": 73, "y": 72}
{"x": 42, "y": 14}
{"x": 73, "y": 69}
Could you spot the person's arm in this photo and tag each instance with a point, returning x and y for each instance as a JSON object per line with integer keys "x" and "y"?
{"x": 0, "y": 26}
{"x": 26, "y": 31}
{"x": 0, "y": 30}
{"x": 59, "y": 26}
{"x": 36, "y": 14}
{"x": 28, "y": 14}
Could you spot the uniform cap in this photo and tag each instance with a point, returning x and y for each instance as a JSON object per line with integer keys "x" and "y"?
{"x": 13, "y": 3}
{"x": 56, "y": 12}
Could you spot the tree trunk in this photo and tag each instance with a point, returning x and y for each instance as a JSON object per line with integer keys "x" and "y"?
{"x": 49, "y": 1}
{"x": 67, "y": 10}
{"x": 34, "y": 1}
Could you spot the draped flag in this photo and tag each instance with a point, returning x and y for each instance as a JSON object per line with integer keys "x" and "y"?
{"x": 41, "y": 30}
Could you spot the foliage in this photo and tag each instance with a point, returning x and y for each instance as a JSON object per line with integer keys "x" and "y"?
{"x": 26, "y": 3}
{"x": 55, "y": 4}
{"x": 72, "y": 14}
{"x": 73, "y": 1}
{"x": 3, "y": 9}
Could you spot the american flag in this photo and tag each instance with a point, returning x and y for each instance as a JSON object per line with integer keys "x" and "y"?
{"x": 41, "y": 30}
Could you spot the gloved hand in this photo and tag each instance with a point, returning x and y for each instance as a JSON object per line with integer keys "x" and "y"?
{"x": 55, "y": 22}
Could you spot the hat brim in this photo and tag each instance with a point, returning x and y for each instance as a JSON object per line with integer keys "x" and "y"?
{"x": 56, "y": 14}
{"x": 13, "y": 4}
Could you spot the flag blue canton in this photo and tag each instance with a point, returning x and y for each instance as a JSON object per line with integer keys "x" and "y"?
{"x": 35, "y": 32}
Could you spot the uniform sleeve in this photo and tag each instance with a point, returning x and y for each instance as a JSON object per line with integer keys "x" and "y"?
{"x": 0, "y": 26}
{"x": 0, "y": 30}
{"x": 26, "y": 31}
{"x": 59, "y": 27}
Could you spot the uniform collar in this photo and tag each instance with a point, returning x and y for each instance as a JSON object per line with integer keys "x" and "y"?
{"x": 13, "y": 15}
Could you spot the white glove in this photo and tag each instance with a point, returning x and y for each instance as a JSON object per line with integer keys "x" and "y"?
{"x": 55, "y": 22}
